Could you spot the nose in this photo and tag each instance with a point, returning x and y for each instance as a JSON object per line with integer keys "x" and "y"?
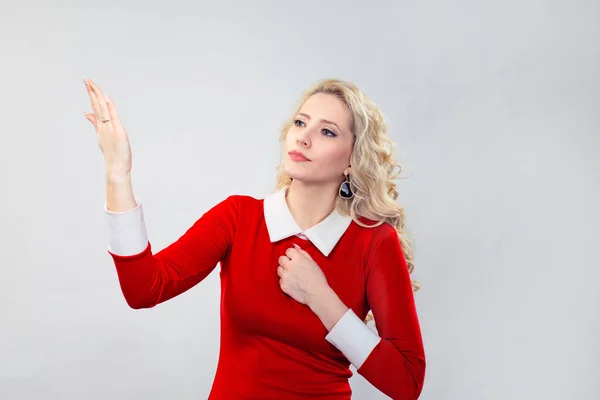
{"x": 304, "y": 135}
{"x": 302, "y": 142}
{"x": 303, "y": 139}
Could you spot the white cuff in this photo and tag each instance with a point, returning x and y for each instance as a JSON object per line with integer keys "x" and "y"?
{"x": 353, "y": 338}
{"x": 127, "y": 234}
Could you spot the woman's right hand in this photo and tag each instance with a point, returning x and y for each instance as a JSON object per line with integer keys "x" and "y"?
{"x": 112, "y": 137}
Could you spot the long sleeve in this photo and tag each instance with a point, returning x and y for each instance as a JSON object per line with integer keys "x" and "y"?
{"x": 396, "y": 365}
{"x": 147, "y": 279}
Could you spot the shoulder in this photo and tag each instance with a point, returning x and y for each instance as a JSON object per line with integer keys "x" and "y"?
{"x": 242, "y": 204}
{"x": 383, "y": 242}
{"x": 253, "y": 202}
{"x": 245, "y": 200}
{"x": 232, "y": 212}
{"x": 238, "y": 201}
{"x": 375, "y": 231}
{"x": 374, "y": 237}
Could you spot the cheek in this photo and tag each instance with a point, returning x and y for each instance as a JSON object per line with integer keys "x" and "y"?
{"x": 336, "y": 157}
{"x": 342, "y": 151}
{"x": 290, "y": 140}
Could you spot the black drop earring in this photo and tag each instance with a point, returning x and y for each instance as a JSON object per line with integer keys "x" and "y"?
{"x": 345, "y": 191}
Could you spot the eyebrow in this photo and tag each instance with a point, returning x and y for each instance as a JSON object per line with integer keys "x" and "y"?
{"x": 322, "y": 120}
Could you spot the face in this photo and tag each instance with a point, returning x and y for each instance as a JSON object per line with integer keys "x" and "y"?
{"x": 319, "y": 143}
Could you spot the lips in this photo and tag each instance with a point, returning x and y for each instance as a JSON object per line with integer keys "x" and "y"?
{"x": 297, "y": 156}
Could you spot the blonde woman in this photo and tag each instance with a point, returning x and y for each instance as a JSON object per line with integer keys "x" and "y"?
{"x": 302, "y": 269}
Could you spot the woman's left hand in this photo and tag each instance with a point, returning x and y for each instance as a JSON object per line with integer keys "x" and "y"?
{"x": 300, "y": 277}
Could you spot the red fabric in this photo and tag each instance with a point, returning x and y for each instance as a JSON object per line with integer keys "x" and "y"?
{"x": 273, "y": 347}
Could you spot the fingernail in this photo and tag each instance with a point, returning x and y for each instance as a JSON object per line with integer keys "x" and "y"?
{"x": 296, "y": 246}
{"x": 107, "y": 99}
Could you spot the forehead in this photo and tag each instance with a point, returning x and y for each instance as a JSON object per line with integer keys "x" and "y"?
{"x": 328, "y": 107}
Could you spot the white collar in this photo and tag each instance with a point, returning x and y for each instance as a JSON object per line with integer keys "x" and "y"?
{"x": 281, "y": 224}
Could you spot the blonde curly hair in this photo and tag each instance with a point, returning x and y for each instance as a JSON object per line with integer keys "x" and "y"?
{"x": 374, "y": 166}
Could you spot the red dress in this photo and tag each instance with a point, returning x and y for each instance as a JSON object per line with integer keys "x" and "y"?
{"x": 273, "y": 347}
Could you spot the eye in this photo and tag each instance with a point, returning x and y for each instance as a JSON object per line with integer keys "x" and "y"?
{"x": 329, "y": 133}
{"x": 299, "y": 122}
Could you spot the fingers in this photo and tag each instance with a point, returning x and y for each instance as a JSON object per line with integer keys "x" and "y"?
{"x": 293, "y": 252}
{"x": 92, "y": 118}
{"x": 280, "y": 271}
{"x": 103, "y": 108}
{"x": 104, "y": 113}
{"x": 283, "y": 261}
{"x": 93, "y": 101}
{"x": 98, "y": 100}
{"x": 290, "y": 252}
{"x": 303, "y": 252}
{"x": 114, "y": 116}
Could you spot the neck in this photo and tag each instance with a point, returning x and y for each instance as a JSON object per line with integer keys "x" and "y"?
{"x": 310, "y": 204}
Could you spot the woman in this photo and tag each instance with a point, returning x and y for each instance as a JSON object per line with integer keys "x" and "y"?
{"x": 300, "y": 269}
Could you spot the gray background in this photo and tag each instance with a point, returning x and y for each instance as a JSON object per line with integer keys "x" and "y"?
{"x": 495, "y": 110}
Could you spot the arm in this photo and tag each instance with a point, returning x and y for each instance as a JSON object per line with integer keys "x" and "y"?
{"x": 394, "y": 360}
{"x": 147, "y": 279}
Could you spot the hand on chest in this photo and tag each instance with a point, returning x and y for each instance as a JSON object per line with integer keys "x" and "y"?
{"x": 268, "y": 292}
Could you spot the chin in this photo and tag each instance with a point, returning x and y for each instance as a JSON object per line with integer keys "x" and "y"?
{"x": 298, "y": 173}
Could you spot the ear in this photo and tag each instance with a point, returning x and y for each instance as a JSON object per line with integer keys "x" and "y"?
{"x": 347, "y": 171}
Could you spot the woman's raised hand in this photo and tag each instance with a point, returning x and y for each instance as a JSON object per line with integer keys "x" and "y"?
{"x": 112, "y": 137}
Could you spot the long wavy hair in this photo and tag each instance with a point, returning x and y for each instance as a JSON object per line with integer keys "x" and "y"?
{"x": 374, "y": 166}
